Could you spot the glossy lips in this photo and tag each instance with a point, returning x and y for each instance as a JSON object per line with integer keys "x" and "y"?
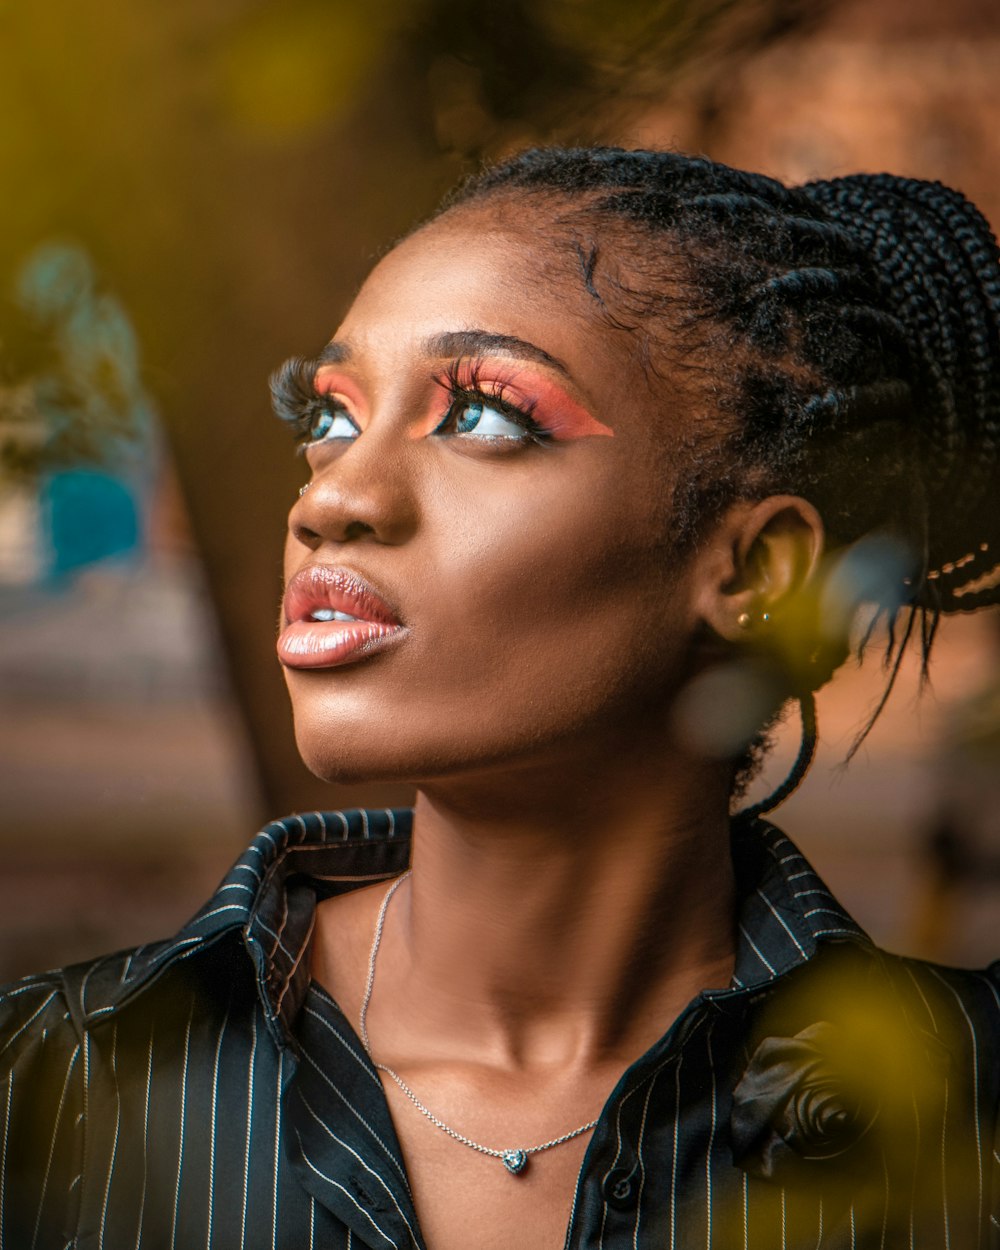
{"x": 333, "y": 617}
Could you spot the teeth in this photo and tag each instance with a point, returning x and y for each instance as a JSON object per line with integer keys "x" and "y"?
{"x": 329, "y": 614}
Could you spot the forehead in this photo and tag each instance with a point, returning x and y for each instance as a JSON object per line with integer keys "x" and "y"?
{"x": 475, "y": 269}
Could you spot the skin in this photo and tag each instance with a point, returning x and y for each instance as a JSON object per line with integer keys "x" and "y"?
{"x": 572, "y": 889}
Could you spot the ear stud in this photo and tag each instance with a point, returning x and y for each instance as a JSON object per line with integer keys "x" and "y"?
{"x": 745, "y": 620}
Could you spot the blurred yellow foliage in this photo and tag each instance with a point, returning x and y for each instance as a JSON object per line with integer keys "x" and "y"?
{"x": 288, "y": 69}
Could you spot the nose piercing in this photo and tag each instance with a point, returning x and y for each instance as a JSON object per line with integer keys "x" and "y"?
{"x": 303, "y": 489}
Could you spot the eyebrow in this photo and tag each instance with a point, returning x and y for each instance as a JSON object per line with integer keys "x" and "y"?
{"x": 459, "y": 343}
{"x": 482, "y": 342}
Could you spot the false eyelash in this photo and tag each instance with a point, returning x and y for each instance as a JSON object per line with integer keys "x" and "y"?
{"x": 463, "y": 382}
{"x": 293, "y": 396}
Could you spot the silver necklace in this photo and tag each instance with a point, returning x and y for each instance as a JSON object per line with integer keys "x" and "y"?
{"x": 514, "y": 1160}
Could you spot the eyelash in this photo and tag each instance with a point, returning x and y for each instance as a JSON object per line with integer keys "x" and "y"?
{"x": 296, "y": 403}
{"x": 463, "y": 382}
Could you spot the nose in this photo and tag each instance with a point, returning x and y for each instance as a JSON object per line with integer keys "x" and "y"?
{"x": 365, "y": 492}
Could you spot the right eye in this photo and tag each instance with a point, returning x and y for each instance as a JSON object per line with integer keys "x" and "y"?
{"x": 331, "y": 423}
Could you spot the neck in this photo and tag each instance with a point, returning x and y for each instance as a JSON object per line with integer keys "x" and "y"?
{"x": 567, "y": 925}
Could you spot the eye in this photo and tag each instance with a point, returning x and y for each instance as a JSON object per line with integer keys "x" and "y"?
{"x": 482, "y": 420}
{"x": 331, "y": 423}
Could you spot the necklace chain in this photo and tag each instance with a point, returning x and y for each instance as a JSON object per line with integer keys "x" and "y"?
{"x": 514, "y": 1160}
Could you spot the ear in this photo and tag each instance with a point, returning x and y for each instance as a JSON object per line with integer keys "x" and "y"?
{"x": 758, "y": 563}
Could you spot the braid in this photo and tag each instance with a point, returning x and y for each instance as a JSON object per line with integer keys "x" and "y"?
{"x": 939, "y": 274}
{"x": 845, "y": 336}
{"x": 851, "y": 306}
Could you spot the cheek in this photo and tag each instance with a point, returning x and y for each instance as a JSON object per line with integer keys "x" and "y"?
{"x": 555, "y": 597}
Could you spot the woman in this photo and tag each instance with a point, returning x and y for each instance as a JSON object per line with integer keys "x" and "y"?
{"x": 602, "y": 460}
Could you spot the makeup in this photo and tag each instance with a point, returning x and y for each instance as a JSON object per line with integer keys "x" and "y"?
{"x": 333, "y": 617}
{"x": 323, "y": 403}
{"x": 546, "y": 407}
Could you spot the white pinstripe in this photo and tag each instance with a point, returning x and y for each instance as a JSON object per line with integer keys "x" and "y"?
{"x": 775, "y": 913}
{"x": 783, "y": 1227}
{"x": 213, "y": 1126}
{"x": 247, "y": 868}
{"x": 303, "y": 951}
{"x": 365, "y": 1067}
{"x": 236, "y": 885}
{"x": 145, "y": 1143}
{"x": 618, "y": 1155}
{"x": 3, "y": 1154}
{"x": 246, "y": 1148}
{"x": 377, "y": 1175}
{"x": 277, "y": 1144}
{"x": 673, "y": 1161}
{"x": 356, "y": 1113}
{"x": 975, "y": 1086}
{"x": 180, "y": 1136}
{"x": 30, "y": 984}
{"x": 944, "y": 1170}
{"x": 758, "y": 952}
{"x": 52, "y": 1145}
{"x": 281, "y": 930}
{"x": 118, "y": 1124}
{"x": 711, "y": 1142}
{"x": 923, "y": 997}
{"x": 278, "y": 944}
{"x": 31, "y": 1019}
{"x": 642, "y": 1170}
{"x": 337, "y": 1185}
{"x": 916, "y": 1166}
{"x": 216, "y": 911}
{"x": 824, "y": 911}
{"x": 819, "y": 1238}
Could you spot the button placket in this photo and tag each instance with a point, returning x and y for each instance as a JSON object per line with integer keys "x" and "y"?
{"x": 621, "y": 1189}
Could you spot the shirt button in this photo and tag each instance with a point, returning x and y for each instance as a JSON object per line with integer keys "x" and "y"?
{"x": 620, "y": 1189}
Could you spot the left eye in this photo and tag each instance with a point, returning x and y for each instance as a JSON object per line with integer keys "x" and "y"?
{"x": 474, "y": 417}
{"x": 332, "y": 423}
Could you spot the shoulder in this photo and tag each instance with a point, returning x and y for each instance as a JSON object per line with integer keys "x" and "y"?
{"x": 958, "y": 1009}
{"x": 962, "y": 1000}
{"x": 33, "y": 1010}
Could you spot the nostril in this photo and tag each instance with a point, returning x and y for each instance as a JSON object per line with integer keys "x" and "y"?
{"x": 306, "y": 536}
{"x": 357, "y": 529}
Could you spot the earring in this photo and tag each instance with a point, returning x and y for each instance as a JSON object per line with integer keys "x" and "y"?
{"x": 744, "y": 620}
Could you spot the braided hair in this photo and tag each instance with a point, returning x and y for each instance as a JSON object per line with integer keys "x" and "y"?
{"x": 846, "y": 338}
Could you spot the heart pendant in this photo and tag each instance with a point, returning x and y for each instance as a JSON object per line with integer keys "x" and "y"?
{"x": 515, "y": 1161}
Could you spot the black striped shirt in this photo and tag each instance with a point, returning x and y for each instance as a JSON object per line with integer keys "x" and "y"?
{"x": 203, "y": 1092}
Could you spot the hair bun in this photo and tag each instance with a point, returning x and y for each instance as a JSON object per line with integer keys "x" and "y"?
{"x": 939, "y": 271}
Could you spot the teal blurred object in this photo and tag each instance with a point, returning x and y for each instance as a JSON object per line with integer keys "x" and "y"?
{"x": 91, "y": 450}
{"x": 89, "y": 516}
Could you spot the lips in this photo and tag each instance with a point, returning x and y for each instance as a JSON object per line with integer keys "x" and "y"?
{"x": 334, "y": 617}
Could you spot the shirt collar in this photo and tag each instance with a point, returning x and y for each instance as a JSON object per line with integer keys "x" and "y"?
{"x": 269, "y": 899}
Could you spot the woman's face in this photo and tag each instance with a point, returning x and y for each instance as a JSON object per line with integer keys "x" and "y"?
{"x": 489, "y": 500}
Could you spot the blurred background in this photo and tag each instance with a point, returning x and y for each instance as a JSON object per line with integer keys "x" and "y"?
{"x": 192, "y": 193}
